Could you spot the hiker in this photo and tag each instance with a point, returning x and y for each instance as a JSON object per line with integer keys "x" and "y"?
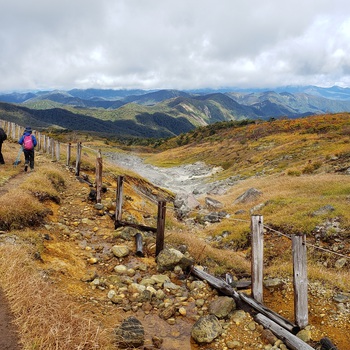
{"x": 28, "y": 142}
{"x": 3, "y": 137}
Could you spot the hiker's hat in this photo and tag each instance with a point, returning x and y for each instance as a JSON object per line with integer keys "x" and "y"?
{"x": 28, "y": 129}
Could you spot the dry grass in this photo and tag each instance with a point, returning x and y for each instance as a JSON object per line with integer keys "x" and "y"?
{"x": 45, "y": 184}
{"x": 19, "y": 209}
{"x": 46, "y": 319}
{"x": 218, "y": 260}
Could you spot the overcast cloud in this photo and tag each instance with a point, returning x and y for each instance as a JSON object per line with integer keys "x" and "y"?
{"x": 175, "y": 44}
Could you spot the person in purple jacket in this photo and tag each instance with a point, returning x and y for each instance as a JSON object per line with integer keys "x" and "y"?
{"x": 28, "y": 142}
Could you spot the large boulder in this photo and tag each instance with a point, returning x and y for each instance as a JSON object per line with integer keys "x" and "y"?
{"x": 120, "y": 251}
{"x": 206, "y": 329}
{"x": 130, "y": 334}
{"x": 248, "y": 196}
{"x": 184, "y": 204}
{"x": 213, "y": 203}
{"x": 167, "y": 259}
{"x": 222, "y": 306}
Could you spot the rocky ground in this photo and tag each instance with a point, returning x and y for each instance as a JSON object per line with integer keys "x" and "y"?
{"x": 86, "y": 257}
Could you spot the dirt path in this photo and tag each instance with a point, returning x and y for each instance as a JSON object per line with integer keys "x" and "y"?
{"x": 8, "y": 332}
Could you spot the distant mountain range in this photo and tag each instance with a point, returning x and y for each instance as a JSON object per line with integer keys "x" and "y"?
{"x": 165, "y": 113}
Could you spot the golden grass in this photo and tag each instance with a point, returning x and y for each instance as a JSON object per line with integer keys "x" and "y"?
{"x": 19, "y": 209}
{"x": 45, "y": 184}
{"x": 331, "y": 278}
{"x": 46, "y": 319}
{"x": 218, "y": 260}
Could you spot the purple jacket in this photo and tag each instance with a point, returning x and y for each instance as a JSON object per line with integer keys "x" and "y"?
{"x": 20, "y": 141}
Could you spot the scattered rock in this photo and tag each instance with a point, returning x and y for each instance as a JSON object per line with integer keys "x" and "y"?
{"x": 268, "y": 336}
{"x": 184, "y": 203}
{"x": 324, "y": 210}
{"x": 167, "y": 259}
{"x": 206, "y": 329}
{"x": 213, "y": 203}
{"x": 222, "y": 307}
{"x": 248, "y": 196}
{"x": 120, "y": 251}
{"x": 304, "y": 335}
{"x": 340, "y": 263}
{"x": 130, "y": 333}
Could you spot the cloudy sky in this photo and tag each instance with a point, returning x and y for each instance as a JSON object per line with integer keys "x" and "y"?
{"x": 175, "y": 44}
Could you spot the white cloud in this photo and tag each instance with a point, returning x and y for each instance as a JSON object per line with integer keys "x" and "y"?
{"x": 173, "y": 44}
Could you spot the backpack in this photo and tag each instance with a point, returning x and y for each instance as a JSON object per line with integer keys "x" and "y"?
{"x": 28, "y": 142}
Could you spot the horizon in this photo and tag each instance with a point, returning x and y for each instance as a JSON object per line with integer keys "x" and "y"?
{"x": 233, "y": 89}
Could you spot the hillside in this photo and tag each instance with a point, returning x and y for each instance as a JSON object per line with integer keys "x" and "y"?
{"x": 164, "y": 113}
{"x": 63, "y": 242}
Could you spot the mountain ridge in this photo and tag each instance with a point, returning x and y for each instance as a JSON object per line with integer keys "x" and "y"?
{"x": 154, "y": 113}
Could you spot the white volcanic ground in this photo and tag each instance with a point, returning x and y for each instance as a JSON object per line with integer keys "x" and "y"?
{"x": 190, "y": 178}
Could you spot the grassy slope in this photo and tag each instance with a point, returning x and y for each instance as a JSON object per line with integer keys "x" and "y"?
{"x": 298, "y": 165}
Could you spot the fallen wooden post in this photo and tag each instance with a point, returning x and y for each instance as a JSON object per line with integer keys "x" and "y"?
{"x": 244, "y": 300}
{"x": 292, "y": 341}
{"x": 281, "y": 321}
{"x": 139, "y": 245}
{"x": 217, "y": 283}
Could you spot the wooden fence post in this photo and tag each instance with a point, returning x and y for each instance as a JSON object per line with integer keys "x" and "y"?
{"x": 44, "y": 143}
{"x": 52, "y": 142}
{"x": 300, "y": 280}
{"x": 119, "y": 200}
{"x": 160, "y": 227}
{"x": 77, "y": 164}
{"x": 58, "y": 151}
{"x": 13, "y": 131}
{"x": 47, "y": 144}
{"x": 98, "y": 177}
{"x": 38, "y": 139}
{"x": 257, "y": 257}
{"x": 69, "y": 146}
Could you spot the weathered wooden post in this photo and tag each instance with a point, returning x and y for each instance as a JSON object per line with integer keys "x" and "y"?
{"x": 44, "y": 143}
{"x": 292, "y": 341}
{"x": 119, "y": 200}
{"x": 69, "y": 146}
{"x": 300, "y": 280}
{"x": 8, "y": 129}
{"x": 58, "y": 151}
{"x": 257, "y": 263}
{"x": 139, "y": 244}
{"x": 77, "y": 164}
{"x": 98, "y": 177}
{"x": 160, "y": 227}
{"x": 53, "y": 149}
{"x": 38, "y": 138}
{"x": 13, "y": 131}
{"x": 47, "y": 144}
